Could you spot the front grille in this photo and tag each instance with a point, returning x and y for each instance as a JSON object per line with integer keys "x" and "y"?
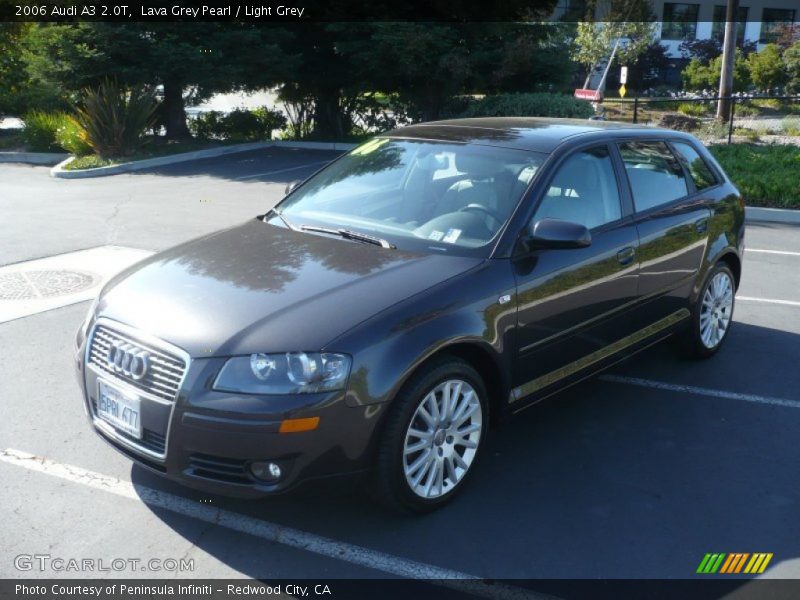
{"x": 155, "y": 442}
{"x": 164, "y": 374}
{"x": 229, "y": 470}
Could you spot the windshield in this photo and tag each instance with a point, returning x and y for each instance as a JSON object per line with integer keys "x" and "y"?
{"x": 417, "y": 195}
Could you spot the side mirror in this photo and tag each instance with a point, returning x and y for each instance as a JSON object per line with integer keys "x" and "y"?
{"x": 554, "y": 233}
{"x": 290, "y": 186}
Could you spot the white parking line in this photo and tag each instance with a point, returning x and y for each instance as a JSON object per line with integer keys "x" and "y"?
{"x": 319, "y": 162}
{"x": 785, "y": 252}
{"x": 690, "y": 389}
{"x": 768, "y": 300}
{"x": 271, "y": 532}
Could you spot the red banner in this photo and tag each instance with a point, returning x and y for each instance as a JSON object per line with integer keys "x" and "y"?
{"x": 593, "y": 95}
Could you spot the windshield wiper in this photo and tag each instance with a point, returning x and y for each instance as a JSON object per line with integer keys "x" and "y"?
{"x": 282, "y": 218}
{"x": 350, "y": 235}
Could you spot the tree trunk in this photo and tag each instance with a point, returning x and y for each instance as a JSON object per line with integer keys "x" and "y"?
{"x": 728, "y": 57}
{"x": 174, "y": 111}
{"x": 330, "y": 122}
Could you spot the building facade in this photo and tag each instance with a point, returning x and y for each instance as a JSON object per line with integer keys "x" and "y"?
{"x": 758, "y": 21}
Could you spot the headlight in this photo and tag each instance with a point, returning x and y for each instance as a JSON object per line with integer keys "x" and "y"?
{"x": 84, "y": 328}
{"x": 289, "y": 373}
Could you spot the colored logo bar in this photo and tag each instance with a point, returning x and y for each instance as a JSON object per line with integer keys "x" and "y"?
{"x": 734, "y": 562}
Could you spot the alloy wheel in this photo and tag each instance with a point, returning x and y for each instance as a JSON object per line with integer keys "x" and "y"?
{"x": 716, "y": 310}
{"x": 442, "y": 438}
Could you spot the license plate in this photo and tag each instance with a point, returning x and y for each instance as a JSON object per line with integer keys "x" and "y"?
{"x": 120, "y": 408}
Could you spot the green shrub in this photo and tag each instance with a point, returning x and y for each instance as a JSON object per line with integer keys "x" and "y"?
{"x": 207, "y": 125}
{"x": 679, "y": 122}
{"x": 768, "y": 103}
{"x": 694, "y": 109}
{"x": 113, "y": 120}
{"x": 766, "y": 68}
{"x": 243, "y": 125}
{"x": 238, "y": 125}
{"x": 791, "y": 60}
{"x": 664, "y": 105}
{"x": 714, "y": 129}
{"x": 751, "y": 134}
{"x": 698, "y": 76}
{"x": 539, "y": 104}
{"x": 766, "y": 175}
{"x": 269, "y": 120}
{"x": 790, "y": 126}
{"x": 746, "y": 109}
{"x": 39, "y": 134}
{"x": 69, "y": 136}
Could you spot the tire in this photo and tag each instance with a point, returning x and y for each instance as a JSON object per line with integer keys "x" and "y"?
{"x": 712, "y": 314}
{"x": 403, "y": 456}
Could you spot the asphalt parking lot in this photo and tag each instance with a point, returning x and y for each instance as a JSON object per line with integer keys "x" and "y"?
{"x": 636, "y": 474}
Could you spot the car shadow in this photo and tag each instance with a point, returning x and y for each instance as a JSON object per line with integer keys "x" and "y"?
{"x": 267, "y": 165}
{"x": 604, "y": 480}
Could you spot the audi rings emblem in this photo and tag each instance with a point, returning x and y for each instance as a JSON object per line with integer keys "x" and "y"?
{"x": 128, "y": 359}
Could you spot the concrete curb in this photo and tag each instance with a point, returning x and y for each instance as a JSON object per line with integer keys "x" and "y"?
{"x": 60, "y": 171}
{"x": 772, "y": 215}
{"x": 33, "y": 158}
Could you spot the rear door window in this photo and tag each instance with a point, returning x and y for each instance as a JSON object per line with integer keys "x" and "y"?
{"x": 701, "y": 173}
{"x": 655, "y": 175}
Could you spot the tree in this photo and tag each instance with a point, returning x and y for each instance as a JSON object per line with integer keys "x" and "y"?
{"x": 341, "y": 65}
{"x": 727, "y": 60}
{"x": 705, "y": 50}
{"x": 646, "y": 70}
{"x": 527, "y": 57}
{"x": 426, "y": 63}
{"x": 326, "y": 77}
{"x": 788, "y": 34}
{"x": 627, "y": 25}
{"x": 18, "y": 93}
{"x": 12, "y": 68}
{"x": 203, "y": 58}
{"x": 791, "y": 58}
{"x": 767, "y": 69}
{"x": 699, "y": 77}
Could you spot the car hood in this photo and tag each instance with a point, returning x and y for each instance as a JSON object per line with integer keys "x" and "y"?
{"x": 262, "y": 288}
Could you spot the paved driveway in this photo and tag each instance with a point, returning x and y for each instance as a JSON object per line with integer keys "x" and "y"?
{"x": 638, "y": 473}
{"x": 153, "y": 209}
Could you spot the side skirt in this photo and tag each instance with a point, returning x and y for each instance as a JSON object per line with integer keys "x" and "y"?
{"x": 586, "y": 362}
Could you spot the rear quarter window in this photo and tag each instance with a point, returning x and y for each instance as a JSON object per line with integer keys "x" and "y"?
{"x": 701, "y": 173}
{"x": 655, "y": 175}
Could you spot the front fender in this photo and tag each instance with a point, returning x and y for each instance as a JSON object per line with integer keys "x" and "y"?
{"x": 464, "y": 310}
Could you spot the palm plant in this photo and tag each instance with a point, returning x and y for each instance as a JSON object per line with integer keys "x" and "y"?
{"x": 114, "y": 119}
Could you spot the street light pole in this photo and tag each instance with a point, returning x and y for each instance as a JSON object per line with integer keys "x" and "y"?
{"x": 728, "y": 56}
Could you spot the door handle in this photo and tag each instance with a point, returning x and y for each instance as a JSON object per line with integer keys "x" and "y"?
{"x": 701, "y": 225}
{"x": 625, "y": 256}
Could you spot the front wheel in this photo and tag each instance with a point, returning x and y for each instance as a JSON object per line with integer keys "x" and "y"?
{"x": 432, "y": 438}
{"x": 712, "y": 314}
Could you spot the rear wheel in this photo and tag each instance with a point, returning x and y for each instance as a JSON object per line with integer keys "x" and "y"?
{"x": 433, "y": 436}
{"x": 712, "y": 314}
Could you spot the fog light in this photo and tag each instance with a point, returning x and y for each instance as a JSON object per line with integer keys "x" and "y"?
{"x": 268, "y": 472}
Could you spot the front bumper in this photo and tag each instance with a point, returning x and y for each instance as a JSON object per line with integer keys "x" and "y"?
{"x": 207, "y": 439}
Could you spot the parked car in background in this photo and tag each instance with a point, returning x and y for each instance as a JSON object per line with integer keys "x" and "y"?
{"x": 433, "y": 281}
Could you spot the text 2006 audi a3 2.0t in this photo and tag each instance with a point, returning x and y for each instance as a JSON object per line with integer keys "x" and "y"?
{"x": 429, "y": 282}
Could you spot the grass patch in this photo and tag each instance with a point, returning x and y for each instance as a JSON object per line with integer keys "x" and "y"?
{"x": 155, "y": 148}
{"x": 766, "y": 175}
{"x": 90, "y": 162}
